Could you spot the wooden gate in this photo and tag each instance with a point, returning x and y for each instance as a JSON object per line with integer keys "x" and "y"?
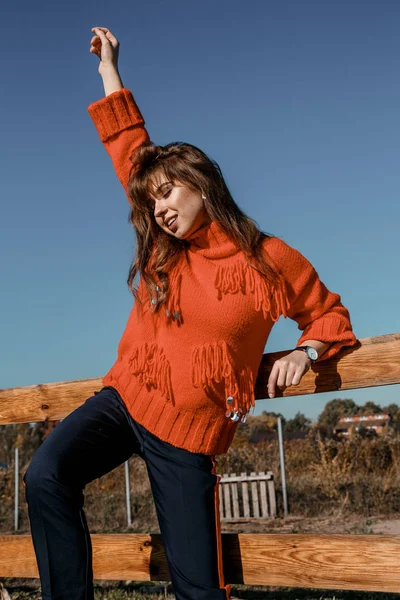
{"x": 234, "y": 501}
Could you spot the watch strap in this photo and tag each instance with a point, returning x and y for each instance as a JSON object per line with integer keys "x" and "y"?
{"x": 304, "y": 349}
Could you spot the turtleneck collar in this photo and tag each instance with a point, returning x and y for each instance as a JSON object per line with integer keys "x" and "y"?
{"x": 212, "y": 242}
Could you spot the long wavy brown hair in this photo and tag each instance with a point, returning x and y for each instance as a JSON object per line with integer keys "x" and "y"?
{"x": 156, "y": 251}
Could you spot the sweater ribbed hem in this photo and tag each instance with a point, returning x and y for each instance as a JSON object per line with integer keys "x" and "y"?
{"x": 331, "y": 329}
{"x": 114, "y": 113}
{"x": 206, "y": 432}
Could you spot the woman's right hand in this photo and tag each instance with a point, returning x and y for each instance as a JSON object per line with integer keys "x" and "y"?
{"x": 105, "y": 45}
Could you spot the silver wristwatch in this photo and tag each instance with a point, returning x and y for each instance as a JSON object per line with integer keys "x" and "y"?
{"x": 310, "y": 351}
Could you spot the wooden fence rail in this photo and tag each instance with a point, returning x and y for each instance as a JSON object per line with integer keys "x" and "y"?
{"x": 373, "y": 362}
{"x": 358, "y": 562}
{"x": 352, "y": 562}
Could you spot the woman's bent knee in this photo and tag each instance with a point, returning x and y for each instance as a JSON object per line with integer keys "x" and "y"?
{"x": 41, "y": 472}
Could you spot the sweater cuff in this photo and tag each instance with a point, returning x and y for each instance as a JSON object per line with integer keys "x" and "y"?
{"x": 114, "y": 113}
{"x": 332, "y": 330}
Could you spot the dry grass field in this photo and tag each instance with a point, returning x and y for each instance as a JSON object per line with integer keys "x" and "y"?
{"x": 337, "y": 487}
{"x": 29, "y": 590}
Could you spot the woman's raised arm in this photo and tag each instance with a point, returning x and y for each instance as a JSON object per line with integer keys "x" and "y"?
{"x": 117, "y": 117}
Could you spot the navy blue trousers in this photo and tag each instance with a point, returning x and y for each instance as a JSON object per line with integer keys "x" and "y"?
{"x": 91, "y": 441}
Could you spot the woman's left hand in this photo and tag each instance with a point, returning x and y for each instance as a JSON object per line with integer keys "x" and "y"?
{"x": 288, "y": 371}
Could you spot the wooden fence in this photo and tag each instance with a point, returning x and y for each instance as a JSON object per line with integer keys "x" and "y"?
{"x": 234, "y": 504}
{"x": 352, "y": 562}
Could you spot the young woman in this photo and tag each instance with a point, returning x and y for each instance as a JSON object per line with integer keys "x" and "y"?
{"x": 211, "y": 287}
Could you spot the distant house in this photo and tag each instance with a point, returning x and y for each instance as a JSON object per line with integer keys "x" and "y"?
{"x": 3, "y": 465}
{"x": 378, "y": 423}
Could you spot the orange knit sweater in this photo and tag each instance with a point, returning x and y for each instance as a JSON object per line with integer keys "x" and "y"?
{"x": 176, "y": 370}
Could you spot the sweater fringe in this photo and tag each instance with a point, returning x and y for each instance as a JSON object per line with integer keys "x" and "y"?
{"x": 215, "y": 362}
{"x": 173, "y": 302}
{"x": 269, "y": 298}
{"x": 241, "y": 277}
{"x": 152, "y": 368}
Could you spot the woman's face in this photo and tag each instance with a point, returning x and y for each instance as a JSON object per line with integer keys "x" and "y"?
{"x": 177, "y": 200}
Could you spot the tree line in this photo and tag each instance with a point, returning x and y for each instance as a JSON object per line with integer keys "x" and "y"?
{"x": 265, "y": 425}
{"x": 28, "y": 437}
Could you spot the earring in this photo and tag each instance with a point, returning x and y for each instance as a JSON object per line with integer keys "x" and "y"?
{"x": 203, "y": 196}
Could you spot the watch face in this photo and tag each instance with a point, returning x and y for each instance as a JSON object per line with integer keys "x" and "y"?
{"x": 312, "y": 353}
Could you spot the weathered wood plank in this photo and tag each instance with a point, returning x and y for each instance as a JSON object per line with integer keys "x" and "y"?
{"x": 272, "y": 497}
{"x": 263, "y": 496}
{"x": 245, "y": 496}
{"x": 221, "y": 504}
{"x": 235, "y": 498}
{"x": 243, "y": 477}
{"x": 227, "y": 499}
{"x": 358, "y": 367}
{"x": 351, "y": 562}
{"x": 254, "y": 497}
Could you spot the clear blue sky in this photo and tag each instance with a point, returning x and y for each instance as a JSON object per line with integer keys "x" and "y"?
{"x": 298, "y": 102}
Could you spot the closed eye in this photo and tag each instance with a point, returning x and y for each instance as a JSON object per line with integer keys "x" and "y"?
{"x": 153, "y": 202}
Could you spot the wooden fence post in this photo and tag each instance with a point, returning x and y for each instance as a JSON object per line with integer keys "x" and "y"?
{"x": 16, "y": 488}
{"x": 282, "y": 463}
{"x": 128, "y": 494}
